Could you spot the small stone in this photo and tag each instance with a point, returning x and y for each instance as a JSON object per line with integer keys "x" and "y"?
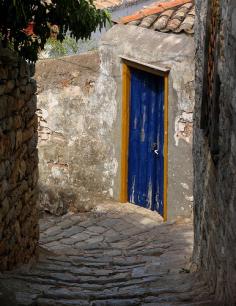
{"x": 27, "y": 134}
{"x": 4, "y": 208}
{"x": 2, "y": 89}
{"x": 18, "y": 138}
{"x": 97, "y": 229}
{"x": 4, "y": 107}
{"x": 95, "y": 239}
{"x": 3, "y": 73}
{"x": 17, "y": 122}
{"x": 10, "y": 85}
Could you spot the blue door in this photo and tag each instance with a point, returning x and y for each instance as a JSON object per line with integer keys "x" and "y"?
{"x": 146, "y": 140}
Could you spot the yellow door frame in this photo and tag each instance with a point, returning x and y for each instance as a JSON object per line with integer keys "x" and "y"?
{"x": 126, "y": 77}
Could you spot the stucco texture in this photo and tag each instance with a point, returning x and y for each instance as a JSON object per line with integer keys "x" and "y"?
{"x": 79, "y": 107}
{"x": 175, "y": 52}
{"x": 76, "y": 109}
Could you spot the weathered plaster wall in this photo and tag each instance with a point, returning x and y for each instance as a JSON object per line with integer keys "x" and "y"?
{"x": 215, "y": 185}
{"x": 177, "y": 53}
{"x": 18, "y": 162}
{"x": 77, "y": 109}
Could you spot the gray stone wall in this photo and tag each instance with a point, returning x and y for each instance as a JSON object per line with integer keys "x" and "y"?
{"x": 215, "y": 184}
{"x": 76, "y": 113}
{"x": 18, "y": 162}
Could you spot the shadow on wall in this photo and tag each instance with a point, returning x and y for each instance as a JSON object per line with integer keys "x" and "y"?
{"x": 58, "y": 201}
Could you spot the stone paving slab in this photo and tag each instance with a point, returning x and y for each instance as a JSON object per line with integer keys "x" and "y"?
{"x": 119, "y": 254}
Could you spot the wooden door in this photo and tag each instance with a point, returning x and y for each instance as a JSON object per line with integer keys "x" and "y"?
{"x": 146, "y": 140}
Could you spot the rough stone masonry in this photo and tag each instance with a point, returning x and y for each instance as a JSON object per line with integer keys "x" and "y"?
{"x": 215, "y": 170}
{"x": 19, "y": 231}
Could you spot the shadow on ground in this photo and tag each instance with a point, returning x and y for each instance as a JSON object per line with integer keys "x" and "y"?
{"x": 119, "y": 254}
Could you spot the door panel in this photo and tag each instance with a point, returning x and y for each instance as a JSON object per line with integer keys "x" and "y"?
{"x": 146, "y": 139}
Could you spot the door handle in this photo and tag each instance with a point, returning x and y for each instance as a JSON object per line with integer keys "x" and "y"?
{"x": 155, "y": 148}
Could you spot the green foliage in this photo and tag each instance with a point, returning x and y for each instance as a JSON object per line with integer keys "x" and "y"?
{"x": 77, "y": 17}
{"x": 56, "y": 48}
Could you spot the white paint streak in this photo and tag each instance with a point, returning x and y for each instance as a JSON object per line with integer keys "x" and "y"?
{"x": 132, "y": 190}
{"x": 143, "y": 125}
{"x": 149, "y": 195}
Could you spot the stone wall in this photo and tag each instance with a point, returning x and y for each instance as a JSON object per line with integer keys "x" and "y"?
{"x": 18, "y": 161}
{"x": 215, "y": 178}
{"x": 76, "y": 113}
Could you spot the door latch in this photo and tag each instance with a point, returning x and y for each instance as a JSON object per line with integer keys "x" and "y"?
{"x": 155, "y": 149}
{"x": 156, "y": 152}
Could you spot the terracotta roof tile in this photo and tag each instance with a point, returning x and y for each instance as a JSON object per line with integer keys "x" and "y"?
{"x": 162, "y": 21}
{"x": 148, "y": 21}
{"x": 173, "y": 16}
{"x": 135, "y": 22}
{"x": 172, "y": 25}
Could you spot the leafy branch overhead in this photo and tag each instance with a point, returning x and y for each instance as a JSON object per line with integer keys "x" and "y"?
{"x": 25, "y": 24}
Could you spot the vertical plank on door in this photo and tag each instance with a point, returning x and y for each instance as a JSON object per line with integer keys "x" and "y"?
{"x": 146, "y": 168}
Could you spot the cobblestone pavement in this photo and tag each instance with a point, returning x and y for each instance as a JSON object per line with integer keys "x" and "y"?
{"x": 119, "y": 254}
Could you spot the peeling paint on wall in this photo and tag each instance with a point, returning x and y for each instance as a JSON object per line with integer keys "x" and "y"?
{"x": 184, "y": 128}
{"x": 177, "y": 53}
{"x": 77, "y": 110}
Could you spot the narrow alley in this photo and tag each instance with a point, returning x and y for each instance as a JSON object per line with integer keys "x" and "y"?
{"x": 118, "y": 254}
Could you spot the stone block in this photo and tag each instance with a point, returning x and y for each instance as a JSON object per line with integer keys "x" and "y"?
{"x": 33, "y": 85}
{"x": 3, "y": 106}
{"x": 17, "y": 122}
{"x": 3, "y": 249}
{"x": 11, "y": 216}
{"x": 32, "y": 69}
{"x": 32, "y": 107}
{"x": 2, "y": 170}
{"x": 6, "y": 144}
{"x": 33, "y": 121}
{"x": 3, "y": 73}
{"x": 16, "y": 93}
{"x": 4, "y": 186}
{"x": 4, "y": 207}
{"x": 214, "y": 206}
{"x": 2, "y": 89}
{"x": 13, "y": 73}
{"x": 10, "y": 84}
{"x": 23, "y": 82}
{"x": 27, "y": 134}
{"x": 18, "y": 162}
{"x": 24, "y": 69}
{"x": 19, "y": 138}
{"x": 19, "y": 104}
